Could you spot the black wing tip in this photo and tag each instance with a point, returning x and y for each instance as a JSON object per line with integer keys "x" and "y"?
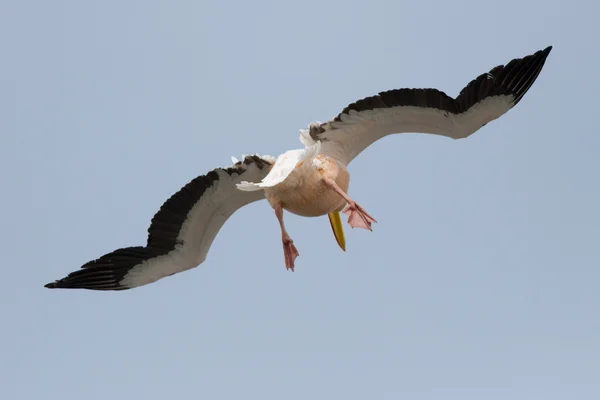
{"x": 62, "y": 284}
{"x": 67, "y": 284}
{"x": 107, "y": 272}
{"x": 90, "y": 278}
{"x": 532, "y": 67}
{"x": 544, "y": 53}
{"x": 52, "y": 285}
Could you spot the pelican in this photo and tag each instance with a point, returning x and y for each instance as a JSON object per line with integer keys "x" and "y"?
{"x": 310, "y": 182}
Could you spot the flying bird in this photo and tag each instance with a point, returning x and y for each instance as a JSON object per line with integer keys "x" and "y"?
{"x": 310, "y": 182}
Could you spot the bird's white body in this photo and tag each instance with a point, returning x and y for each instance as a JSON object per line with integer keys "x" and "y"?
{"x": 304, "y": 193}
{"x": 295, "y": 182}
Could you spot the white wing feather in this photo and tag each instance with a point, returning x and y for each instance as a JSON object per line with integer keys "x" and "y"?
{"x": 358, "y": 130}
{"x": 204, "y": 221}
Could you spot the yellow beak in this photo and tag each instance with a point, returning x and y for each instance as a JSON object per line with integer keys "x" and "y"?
{"x": 338, "y": 230}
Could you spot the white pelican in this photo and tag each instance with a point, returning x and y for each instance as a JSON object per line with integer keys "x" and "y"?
{"x": 310, "y": 182}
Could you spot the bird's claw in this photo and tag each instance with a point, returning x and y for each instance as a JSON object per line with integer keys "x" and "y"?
{"x": 290, "y": 253}
{"x": 358, "y": 217}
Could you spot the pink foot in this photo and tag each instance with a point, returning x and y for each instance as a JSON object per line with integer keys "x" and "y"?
{"x": 290, "y": 253}
{"x": 358, "y": 217}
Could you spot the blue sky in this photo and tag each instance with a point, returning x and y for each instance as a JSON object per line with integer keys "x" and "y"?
{"x": 479, "y": 281}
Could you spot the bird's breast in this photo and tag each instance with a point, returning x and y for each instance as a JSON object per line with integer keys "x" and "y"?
{"x": 304, "y": 192}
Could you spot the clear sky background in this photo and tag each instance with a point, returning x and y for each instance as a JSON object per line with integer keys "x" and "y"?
{"x": 480, "y": 280}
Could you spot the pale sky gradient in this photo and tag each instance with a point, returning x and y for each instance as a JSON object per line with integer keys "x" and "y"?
{"x": 480, "y": 281}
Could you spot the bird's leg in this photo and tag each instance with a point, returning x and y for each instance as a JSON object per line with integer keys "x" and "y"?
{"x": 358, "y": 217}
{"x": 289, "y": 250}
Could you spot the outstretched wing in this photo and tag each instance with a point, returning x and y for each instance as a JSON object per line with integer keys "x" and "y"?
{"x": 484, "y": 99}
{"x": 180, "y": 234}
